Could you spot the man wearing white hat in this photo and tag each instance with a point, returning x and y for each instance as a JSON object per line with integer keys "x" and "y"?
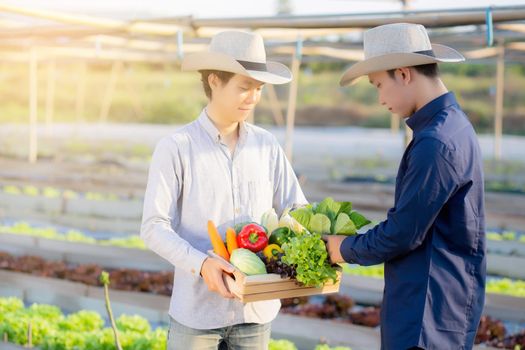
{"x": 432, "y": 243}
{"x": 223, "y": 169}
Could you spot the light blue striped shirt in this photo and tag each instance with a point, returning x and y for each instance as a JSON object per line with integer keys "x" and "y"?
{"x": 194, "y": 178}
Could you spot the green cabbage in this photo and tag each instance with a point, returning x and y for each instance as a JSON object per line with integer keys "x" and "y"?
{"x": 247, "y": 261}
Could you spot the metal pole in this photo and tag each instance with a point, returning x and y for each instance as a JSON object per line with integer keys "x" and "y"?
{"x": 33, "y": 105}
{"x": 292, "y": 100}
{"x": 50, "y": 94}
{"x": 135, "y": 97}
{"x": 275, "y": 105}
{"x": 81, "y": 93}
{"x": 430, "y": 19}
{"x": 500, "y": 84}
{"x": 110, "y": 89}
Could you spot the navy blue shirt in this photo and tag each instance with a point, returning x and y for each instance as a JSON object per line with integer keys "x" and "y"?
{"x": 433, "y": 240}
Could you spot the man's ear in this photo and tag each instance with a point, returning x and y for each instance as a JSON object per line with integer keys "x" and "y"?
{"x": 213, "y": 81}
{"x": 405, "y": 74}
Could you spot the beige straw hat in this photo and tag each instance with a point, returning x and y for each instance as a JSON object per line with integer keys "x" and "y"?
{"x": 398, "y": 45}
{"x": 238, "y": 52}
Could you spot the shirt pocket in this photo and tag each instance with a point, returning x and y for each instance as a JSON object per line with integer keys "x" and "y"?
{"x": 260, "y": 197}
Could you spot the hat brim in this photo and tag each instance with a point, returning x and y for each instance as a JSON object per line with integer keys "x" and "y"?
{"x": 275, "y": 73}
{"x": 442, "y": 54}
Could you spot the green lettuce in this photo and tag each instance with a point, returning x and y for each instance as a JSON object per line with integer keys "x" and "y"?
{"x": 320, "y": 223}
{"x": 358, "y": 219}
{"x": 303, "y": 216}
{"x": 344, "y": 225}
{"x": 328, "y": 207}
{"x": 346, "y": 207}
{"x": 330, "y": 217}
{"x": 307, "y": 252}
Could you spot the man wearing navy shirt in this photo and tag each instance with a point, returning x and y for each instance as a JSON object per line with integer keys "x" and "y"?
{"x": 432, "y": 243}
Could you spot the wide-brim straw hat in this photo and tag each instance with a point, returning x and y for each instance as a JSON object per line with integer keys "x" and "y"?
{"x": 397, "y": 45}
{"x": 238, "y": 52}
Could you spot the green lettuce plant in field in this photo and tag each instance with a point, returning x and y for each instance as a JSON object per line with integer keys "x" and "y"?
{"x": 52, "y": 330}
{"x": 24, "y": 228}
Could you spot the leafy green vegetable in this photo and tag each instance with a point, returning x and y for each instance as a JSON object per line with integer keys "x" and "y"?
{"x": 328, "y": 207}
{"x": 49, "y": 312}
{"x": 346, "y": 207}
{"x": 326, "y": 347}
{"x": 320, "y": 223}
{"x": 247, "y": 261}
{"x": 81, "y": 330}
{"x": 303, "y": 216}
{"x": 133, "y": 323}
{"x": 358, "y": 219}
{"x": 65, "y": 340}
{"x": 23, "y": 228}
{"x": 308, "y": 253}
{"x": 374, "y": 271}
{"x": 344, "y": 225}
{"x": 281, "y": 344}
{"x": 330, "y": 217}
{"x": 10, "y": 305}
{"x": 82, "y": 321}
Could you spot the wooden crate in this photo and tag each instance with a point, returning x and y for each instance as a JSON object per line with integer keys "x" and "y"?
{"x": 272, "y": 286}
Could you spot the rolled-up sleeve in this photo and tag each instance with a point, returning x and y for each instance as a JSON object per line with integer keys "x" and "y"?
{"x": 428, "y": 183}
{"x": 160, "y": 210}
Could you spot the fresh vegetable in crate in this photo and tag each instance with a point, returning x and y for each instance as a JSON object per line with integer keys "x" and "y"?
{"x": 247, "y": 261}
{"x": 231, "y": 240}
{"x": 216, "y": 241}
{"x": 307, "y": 253}
{"x": 330, "y": 217}
{"x": 281, "y": 235}
{"x": 252, "y": 237}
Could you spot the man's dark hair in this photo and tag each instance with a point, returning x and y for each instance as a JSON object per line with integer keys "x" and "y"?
{"x": 430, "y": 70}
{"x": 224, "y": 77}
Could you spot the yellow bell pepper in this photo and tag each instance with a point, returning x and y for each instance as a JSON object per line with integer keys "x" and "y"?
{"x": 271, "y": 251}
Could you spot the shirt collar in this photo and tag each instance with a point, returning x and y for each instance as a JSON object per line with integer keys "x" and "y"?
{"x": 206, "y": 123}
{"x": 420, "y": 119}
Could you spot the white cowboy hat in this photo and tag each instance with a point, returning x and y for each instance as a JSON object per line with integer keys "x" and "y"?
{"x": 238, "y": 52}
{"x": 398, "y": 45}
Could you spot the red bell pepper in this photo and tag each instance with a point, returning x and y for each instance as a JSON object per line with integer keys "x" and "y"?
{"x": 252, "y": 237}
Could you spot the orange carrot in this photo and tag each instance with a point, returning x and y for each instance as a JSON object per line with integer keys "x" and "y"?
{"x": 231, "y": 240}
{"x": 216, "y": 241}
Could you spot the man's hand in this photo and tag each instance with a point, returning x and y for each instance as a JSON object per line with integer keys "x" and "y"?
{"x": 333, "y": 245}
{"x": 211, "y": 271}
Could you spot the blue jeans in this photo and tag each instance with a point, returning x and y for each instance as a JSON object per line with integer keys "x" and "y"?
{"x": 246, "y": 336}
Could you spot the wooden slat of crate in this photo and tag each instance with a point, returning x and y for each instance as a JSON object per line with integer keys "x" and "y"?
{"x": 271, "y": 286}
{"x": 261, "y": 283}
{"x": 268, "y": 287}
{"x": 274, "y": 288}
{"x": 264, "y": 294}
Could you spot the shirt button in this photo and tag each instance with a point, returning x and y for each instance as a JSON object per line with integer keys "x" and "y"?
{"x": 237, "y": 210}
{"x": 193, "y": 271}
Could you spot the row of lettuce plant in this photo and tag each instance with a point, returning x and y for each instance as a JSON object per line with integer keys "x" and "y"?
{"x": 51, "y": 329}
{"x": 506, "y": 286}
{"x": 24, "y": 228}
{"x": 53, "y": 192}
